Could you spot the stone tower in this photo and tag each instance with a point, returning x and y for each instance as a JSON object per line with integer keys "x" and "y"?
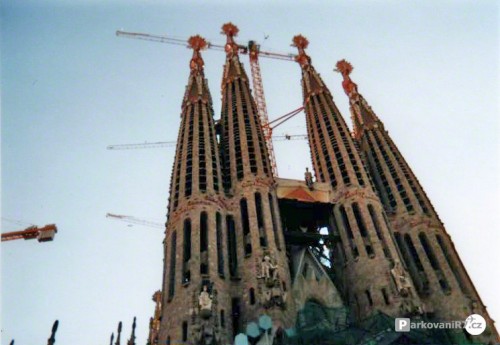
{"x": 195, "y": 272}
{"x": 437, "y": 271}
{"x": 258, "y": 266}
{"x": 372, "y": 276}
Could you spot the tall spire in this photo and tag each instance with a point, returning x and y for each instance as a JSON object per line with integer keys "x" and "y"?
{"x": 131, "y": 341}
{"x": 328, "y": 133}
{"x": 230, "y": 30}
{"x": 193, "y": 243}
{"x": 52, "y": 339}
{"x": 440, "y": 278}
{"x": 196, "y": 166}
{"x": 243, "y": 147}
{"x": 119, "y": 333}
{"x": 362, "y": 114}
{"x": 249, "y": 182}
{"x": 366, "y": 243}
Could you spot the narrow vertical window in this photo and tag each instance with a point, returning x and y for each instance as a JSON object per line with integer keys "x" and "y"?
{"x": 235, "y": 315}
{"x": 273, "y": 219}
{"x": 246, "y": 226}
{"x": 171, "y": 284}
{"x": 379, "y": 232}
{"x": 386, "y": 296}
{"x": 202, "y": 160}
{"x": 252, "y": 296}
{"x": 260, "y": 220}
{"x": 424, "y": 281}
{"x": 348, "y": 230}
{"x": 204, "y": 243}
{"x": 184, "y": 331}
{"x": 363, "y": 230}
{"x": 220, "y": 253}
{"x": 232, "y": 253}
{"x": 454, "y": 268}
{"x": 369, "y": 297}
{"x": 186, "y": 273}
{"x": 222, "y": 319}
{"x": 429, "y": 252}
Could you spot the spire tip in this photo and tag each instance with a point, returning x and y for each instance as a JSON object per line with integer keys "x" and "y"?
{"x": 344, "y": 67}
{"x": 230, "y": 29}
{"x": 197, "y": 42}
{"x": 300, "y": 42}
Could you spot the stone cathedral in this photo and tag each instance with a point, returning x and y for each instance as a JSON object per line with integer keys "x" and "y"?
{"x": 327, "y": 260}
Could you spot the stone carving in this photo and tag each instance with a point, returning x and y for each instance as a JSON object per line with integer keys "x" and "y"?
{"x": 309, "y": 179}
{"x": 204, "y": 322}
{"x": 270, "y": 289}
{"x": 268, "y": 270}
{"x": 400, "y": 277}
{"x": 154, "y": 322}
{"x": 205, "y": 303}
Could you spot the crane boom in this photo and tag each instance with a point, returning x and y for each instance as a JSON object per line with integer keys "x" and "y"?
{"x": 173, "y": 143}
{"x": 43, "y": 234}
{"x": 134, "y": 220}
{"x": 182, "y": 42}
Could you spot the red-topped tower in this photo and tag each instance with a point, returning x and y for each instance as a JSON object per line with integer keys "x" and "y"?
{"x": 370, "y": 271}
{"x": 437, "y": 271}
{"x": 195, "y": 283}
{"x": 258, "y": 265}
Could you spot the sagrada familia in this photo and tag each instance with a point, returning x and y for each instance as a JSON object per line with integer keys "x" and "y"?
{"x": 252, "y": 258}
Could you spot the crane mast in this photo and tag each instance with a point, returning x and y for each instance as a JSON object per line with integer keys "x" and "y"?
{"x": 253, "y": 51}
{"x": 260, "y": 100}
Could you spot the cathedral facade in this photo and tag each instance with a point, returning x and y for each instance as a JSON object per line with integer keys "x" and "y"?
{"x": 241, "y": 243}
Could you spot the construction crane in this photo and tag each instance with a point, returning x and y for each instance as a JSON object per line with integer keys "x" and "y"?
{"x": 173, "y": 143}
{"x": 253, "y": 51}
{"x": 42, "y": 234}
{"x": 133, "y": 220}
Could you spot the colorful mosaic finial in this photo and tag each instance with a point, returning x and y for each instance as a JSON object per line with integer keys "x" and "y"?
{"x": 230, "y": 30}
{"x": 345, "y": 68}
{"x": 301, "y": 43}
{"x": 197, "y": 43}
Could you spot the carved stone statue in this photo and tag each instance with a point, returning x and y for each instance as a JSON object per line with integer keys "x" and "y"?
{"x": 403, "y": 284}
{"x": 205, "y": 300}
{"x": 309, "y": 179}
{"x": 268, "y": 269}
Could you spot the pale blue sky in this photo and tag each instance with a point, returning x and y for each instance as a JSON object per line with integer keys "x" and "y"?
{"x": 70, "y": 87}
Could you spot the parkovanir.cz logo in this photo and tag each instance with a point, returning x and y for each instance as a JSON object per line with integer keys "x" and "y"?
{"x": 475, "y": 324}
